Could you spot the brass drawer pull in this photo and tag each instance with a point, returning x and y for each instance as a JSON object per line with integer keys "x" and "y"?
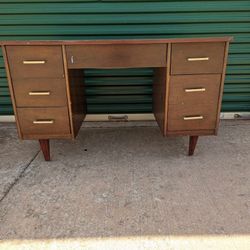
{"x": 118, "y": 118}
{"x": 43, "y": 122}
{"x": 34, "y": 62}
{"x": 189, "y": 118}
{"x": 194, "y": 59}
{"x": 195, "y": 90}
{"x": 39, "y": 93}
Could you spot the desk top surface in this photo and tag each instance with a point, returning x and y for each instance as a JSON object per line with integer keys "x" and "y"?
{"x": 121, "y": 41}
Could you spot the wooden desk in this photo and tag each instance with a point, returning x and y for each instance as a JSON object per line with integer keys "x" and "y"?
{"x": 46, "y": 82}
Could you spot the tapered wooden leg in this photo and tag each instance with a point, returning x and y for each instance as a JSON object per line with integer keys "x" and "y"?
{"x": 192, "y": 143}
{"x": 44, "y": 145}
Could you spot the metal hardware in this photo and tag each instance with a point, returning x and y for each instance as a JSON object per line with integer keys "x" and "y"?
{"x": 43, "y": 122}
{"x": 193, "y": 59}
{"x": 197, "y": 117}
{"x": 72, "y": 59}
{"x": 195, "y": 90}
{"x": 34, "y": 62}
{"x": 119, "y": 118}
{"x": 37, "y": 93}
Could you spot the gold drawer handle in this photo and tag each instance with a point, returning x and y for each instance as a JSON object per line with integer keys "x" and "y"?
{"x": 189, "y": 118}
{"x": 194, "y": 59}
{"x": 34, "y": 62}
{"x": 39, "y": 93}
{"x": 195, "y": 90}
{"x": 43, "y": 122}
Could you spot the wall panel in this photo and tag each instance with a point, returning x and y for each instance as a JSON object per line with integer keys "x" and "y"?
{"x": 130, "y": 90}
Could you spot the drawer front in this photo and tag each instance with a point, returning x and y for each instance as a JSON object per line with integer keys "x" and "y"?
{"x": 35, "y": 61}
{"x": 196, "y": 58}
{"x": 194, "y": 89}
{"x": 40, "y": 92}
{"x": 43, "y": 121}
{"x": 116, "y": 56}
{"x": 192, "y": 117}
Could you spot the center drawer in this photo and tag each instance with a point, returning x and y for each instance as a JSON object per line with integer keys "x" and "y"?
{"x": 43, "y": 122}
{"x": 116, "y": 55}
{"x": 46, "y": 92}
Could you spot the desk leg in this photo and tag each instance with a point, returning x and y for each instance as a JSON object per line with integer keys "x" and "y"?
{"x": 192, "y": 143}
{"x": 44, "y": 145}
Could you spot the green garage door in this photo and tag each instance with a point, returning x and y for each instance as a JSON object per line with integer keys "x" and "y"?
{"x": 129, "y": 91}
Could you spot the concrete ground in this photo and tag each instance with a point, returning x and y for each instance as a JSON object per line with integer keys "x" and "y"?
{"x": 126, "y": 187}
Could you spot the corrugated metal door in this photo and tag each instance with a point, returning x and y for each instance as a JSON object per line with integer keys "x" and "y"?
{"x": 129, "y": 90}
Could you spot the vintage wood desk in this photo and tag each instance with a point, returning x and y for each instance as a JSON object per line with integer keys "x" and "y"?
{"x": 46, "y": 81}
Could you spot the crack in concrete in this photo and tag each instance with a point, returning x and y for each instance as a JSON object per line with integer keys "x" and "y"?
{"x": 18, "y": 177}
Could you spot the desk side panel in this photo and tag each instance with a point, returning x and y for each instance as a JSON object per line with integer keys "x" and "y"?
{"x": 77, "y": 96}
{"x": 10, "y": 84}
{"x": 159, "y": 96}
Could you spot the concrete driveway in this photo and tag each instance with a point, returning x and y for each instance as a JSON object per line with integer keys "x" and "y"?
{"x": 124, "y": 186}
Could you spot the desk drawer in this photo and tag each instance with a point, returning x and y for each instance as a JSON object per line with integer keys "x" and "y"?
{"x": 192, "y": 117}
{"x": 43, "y": 121}
{"x": 46, "y": 92}
{"x": 116, "y": 56}
{"x": 35, "y": 61}
{"x": 196, "y": 58}
{"x": 194, "y": 89}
